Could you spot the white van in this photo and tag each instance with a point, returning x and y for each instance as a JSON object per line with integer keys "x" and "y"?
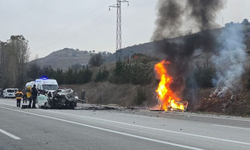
{"x": 30, "y": 84}
{"x": 46, "y": 84}
{"x": 10, "y": 92}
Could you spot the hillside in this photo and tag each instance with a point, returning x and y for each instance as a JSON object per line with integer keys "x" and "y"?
{"x": 146, "y": 48}
{"x": 64, "y": 58}
{"x": 67, "y": 57}
{"x": 149, "y": 48}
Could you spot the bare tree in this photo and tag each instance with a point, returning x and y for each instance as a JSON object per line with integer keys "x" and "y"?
{"x": 4, "y": 59}
{"x": 14, "y": 56}
{"x": 96, "y": 60}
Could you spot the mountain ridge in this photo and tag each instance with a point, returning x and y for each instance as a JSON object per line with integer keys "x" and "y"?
{"x": 67, "y": 57}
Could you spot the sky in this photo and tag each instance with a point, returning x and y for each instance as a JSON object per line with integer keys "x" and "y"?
{"x": 51, "y": 25}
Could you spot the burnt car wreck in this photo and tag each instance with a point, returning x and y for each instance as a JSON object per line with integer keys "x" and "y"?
{"x": 63, "y": 99}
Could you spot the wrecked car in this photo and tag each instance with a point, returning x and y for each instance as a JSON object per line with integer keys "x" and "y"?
{"x": 58, "y": 100}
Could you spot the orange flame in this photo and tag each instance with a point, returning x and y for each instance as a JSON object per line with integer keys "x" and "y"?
{"x": 167, "y": 98}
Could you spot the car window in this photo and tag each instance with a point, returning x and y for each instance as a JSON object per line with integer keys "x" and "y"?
{"x": 10, "y": 91}
{"x": 49, "y": 87}
{"x": 42, "y": 97}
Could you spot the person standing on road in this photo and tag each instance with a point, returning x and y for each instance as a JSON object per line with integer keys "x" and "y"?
{"x": 19, "y": 95}
{"x": 83, "y": 95}
{"x": 24, "y": 95}
{"x": 34, "y": 94}
{"x": 28, "y": 94}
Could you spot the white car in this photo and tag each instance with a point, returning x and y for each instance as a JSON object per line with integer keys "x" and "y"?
{"x": 42, "y": 101}
{"x": 10, "y": 92}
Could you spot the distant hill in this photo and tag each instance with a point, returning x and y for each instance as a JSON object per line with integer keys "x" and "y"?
{"x": 68, "y": 57}
{"x": 149, "y": 48}
{"x": 64, "y": 58}
{"x": 146, "y": 48}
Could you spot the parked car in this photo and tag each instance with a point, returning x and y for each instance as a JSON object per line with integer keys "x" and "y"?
{"x": 9, "y": 92}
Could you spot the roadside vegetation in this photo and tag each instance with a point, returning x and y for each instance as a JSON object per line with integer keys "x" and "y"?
{"x": 127, "y": 82}
{"x": 107, "y": 81}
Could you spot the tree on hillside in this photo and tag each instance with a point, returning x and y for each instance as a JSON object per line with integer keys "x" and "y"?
{"x": 201, "y": 76}
{"x": 59, "y": 76}
{"x": 96, "y": 60}
{"x": 245, "y": 22}
{"x": 76, "y": 67}
{"x": 102, "y": 75}
{"x": 33, "y": 71}
{"x": 135, "y": 73}
{"x": 47, "y": 71}
{"x": 70, "y": 76}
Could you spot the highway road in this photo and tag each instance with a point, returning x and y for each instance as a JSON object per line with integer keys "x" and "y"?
{"x": 29, "y": 129}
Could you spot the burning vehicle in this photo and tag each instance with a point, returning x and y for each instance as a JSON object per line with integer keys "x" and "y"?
{"x": 63, "y": 99}
{"x": 228, "y": 58}
{"x": 167, "y": 98}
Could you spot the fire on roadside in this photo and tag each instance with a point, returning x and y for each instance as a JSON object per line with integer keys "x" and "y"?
{"x": 167, "y": 99}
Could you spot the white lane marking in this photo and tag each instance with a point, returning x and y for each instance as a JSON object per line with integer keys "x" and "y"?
{"x": 187, "y": 115}
{"x": 94, "y": 118}
{"x": 139, "y": 126}
{"x": 163, "y": 130}
{"x": 10, "y": 135}
{"x": 241, "y": 128}
{"x": 175, "y": 132}
{"x": 104, "y": 129}
{"x": 214, "y": 117}
{"x": 139, "y": 116}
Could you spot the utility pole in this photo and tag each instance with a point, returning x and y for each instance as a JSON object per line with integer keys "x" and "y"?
{"x": 119, "y": 25}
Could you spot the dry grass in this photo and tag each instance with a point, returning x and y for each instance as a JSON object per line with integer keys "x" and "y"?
{"x": 200, "y": 100}
{"x": 205, "y": 102}
{"x": 121, "y": 94}
{"x": 107, "y": 93}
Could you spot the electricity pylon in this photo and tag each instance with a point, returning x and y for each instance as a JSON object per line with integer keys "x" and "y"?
{"x": 119, "y": 25}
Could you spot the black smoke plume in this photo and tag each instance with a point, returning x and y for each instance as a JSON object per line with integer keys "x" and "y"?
{"x": 176, "y": 16}
{"x": 169, "y": 19}
{"x": 204, "y": 12}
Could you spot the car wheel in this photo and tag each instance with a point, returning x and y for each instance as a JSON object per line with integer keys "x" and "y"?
{"x": 45, "y": 105}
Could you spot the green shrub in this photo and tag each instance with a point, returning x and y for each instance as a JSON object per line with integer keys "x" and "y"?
{"x": 86, "y": 75}
{"x": 140, "y": 74}
{"x": 120, "y": 74}
{"x": 102, "y": 75}
{"x": 70, "y": 76}
{"x": 201, "y": 76}
{"x": 135, "y": 73}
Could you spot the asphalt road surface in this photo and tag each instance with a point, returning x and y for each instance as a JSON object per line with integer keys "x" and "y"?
{"x": 29, "y": 129}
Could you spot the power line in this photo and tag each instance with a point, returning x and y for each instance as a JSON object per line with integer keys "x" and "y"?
{"x": 78, "y": 31}
{"x": 142, "y": 5}
{"x": 72, "y": 23}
